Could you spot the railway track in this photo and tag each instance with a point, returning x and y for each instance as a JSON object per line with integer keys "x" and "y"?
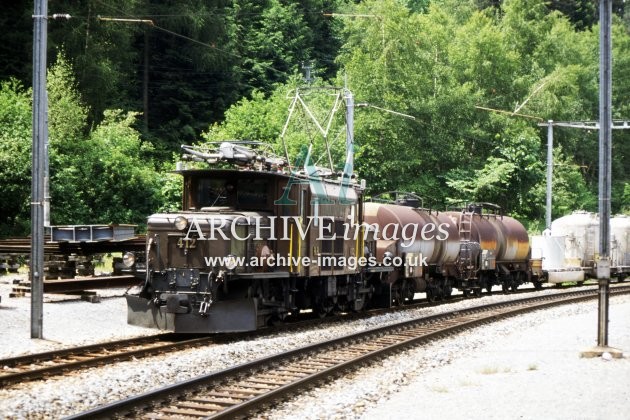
{"x": 58, "y": 362}
{"x": 247, "y": 388}
{"x": 35, "y": 366}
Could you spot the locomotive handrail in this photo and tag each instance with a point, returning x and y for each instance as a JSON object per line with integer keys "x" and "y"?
{"x": 379, "y": 198}
{"x": 471, "y": 206}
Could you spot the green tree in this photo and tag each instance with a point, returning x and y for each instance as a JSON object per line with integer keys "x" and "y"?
{"x": 103, "y": 175}
{"x": 523, "y": 58}
{"x": 15, "y": 158}
{"x": 16, "y": 47}
{"x": 103, "y": 54}
{"x": 124, "y": 185}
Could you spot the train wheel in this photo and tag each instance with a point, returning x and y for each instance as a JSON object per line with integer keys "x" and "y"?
{"x": 324, "y": 308}
{"x": 342, "y": 306}
{"x": 440, "y": 292}
{"x": 278, "y": 319}
{"x": 477, "y": 291}
{"x": 537, "y": 285}
{"x": 467, "y": 293}
{"x": 409, "y": 290}
{"x": 360, "y": 303}
{"x": 431, "y": 294}
{"x": 397, "y": 297}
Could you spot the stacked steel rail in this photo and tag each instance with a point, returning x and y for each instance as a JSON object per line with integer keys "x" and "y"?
{"x": 65, "y": 259}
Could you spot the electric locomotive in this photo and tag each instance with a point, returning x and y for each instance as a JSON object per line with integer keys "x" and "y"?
{"x": 251, "y": 245}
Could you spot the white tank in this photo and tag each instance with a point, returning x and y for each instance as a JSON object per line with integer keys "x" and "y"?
{"x": 558, "y": 268}
{"x": 553, "y": 251}
{"x": 620, "y": 241}
{"x": 581, "y": 232}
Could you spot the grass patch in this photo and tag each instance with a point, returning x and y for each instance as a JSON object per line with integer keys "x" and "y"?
{"x": 466, "y": 383}
{"x": 439, "y": 389}
{"x": 489, "y": 370}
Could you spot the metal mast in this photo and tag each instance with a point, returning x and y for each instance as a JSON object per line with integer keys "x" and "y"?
{"x": 605, "y": 151}
{"x": 605, "y": 155}
{"x": 349, "y": 132}
{"x": 40, "y": 134}
{"x": 549, "y": 174}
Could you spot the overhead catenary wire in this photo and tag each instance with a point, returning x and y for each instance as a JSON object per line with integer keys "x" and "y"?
{"x": 176, "y": 34}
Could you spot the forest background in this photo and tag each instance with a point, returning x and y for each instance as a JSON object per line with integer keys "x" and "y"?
{"x": 123, "y": 97}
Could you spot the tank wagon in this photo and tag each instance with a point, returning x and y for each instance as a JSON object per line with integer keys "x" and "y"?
{"x": 569, "y": 250}
{"x": 502, "y": 243}
{"x": 472, "y": 249}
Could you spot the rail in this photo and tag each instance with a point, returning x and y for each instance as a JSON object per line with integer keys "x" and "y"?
{"x": 244, "y": 389}
{"x": 34, "y": 366}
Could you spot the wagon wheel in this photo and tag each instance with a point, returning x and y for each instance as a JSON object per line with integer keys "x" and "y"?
{"x": 408, "y": 291}
{"x": 439, "y": 291}
{"x": 363, "y": 302}
{"x": 432, "y": 294}
{"x": 325, "y": 307}
{"x": 397, "y": 296}
{"x": 447, "y": 289}
{"x": 477, "y": 291}
{"x": 467, "y": 293}
{"x": 342, "y": 305}
{"x": 278, "y": 319}
{"x": 489, "y": 288}
{"x": 358, "y": 304}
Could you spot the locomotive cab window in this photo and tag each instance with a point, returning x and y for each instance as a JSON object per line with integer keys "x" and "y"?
{"x": 213, "y": 192}
{"x": 252, "y": 193}
{"x": 240, "y": 193}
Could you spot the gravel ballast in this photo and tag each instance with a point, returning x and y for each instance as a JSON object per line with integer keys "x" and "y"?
{"x": 73, "y": 323}
{"x": 527, "y": 367}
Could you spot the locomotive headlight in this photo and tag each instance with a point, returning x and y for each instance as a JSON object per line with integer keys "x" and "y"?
{"x": 230, "y": 262}
{"x": 181, "y": 222}
{"x": 129, "y": 259}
